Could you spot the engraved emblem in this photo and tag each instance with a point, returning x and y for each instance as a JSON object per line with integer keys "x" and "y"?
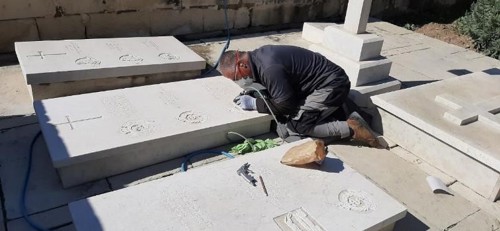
{"x": 192, "y": 117}
{"x": 354, "y": 200}
{"x": 168, "y": 56}
{"x": 131, "y": 58}
{"x": 138, "y": 127}
{"x": 89, "y": 61}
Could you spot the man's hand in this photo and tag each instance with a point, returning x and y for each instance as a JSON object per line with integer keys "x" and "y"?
{"x": 246, "y": 102}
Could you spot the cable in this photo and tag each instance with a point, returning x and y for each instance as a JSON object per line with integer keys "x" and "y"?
{"x": 188, "y": 157}
{"x": 228, "y": 40}
{"x": 24, "y": 210}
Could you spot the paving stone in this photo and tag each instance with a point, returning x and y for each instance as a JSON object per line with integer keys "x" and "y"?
{"x": 170, "y": 204}
{"x": 106, "y": 133}
{"x": 66, "y": 228}
{"x": 423, "y": 165}
{"x": 19, "y": 30}
{"x": 426, "y": 109}
{"x": 15, "y": 97}
{"x": 492, "y": 208}
{"x": 406, "y": 183}
{"x": 74, "y": 60}
{"x": 66, "y": 27}
{"x": 44, "y": 190}
{"x": 477, "y": 221}
{"x": 48, "y": 219}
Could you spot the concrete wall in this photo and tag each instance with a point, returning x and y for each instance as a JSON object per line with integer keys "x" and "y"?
{"x": 25, "y": 20}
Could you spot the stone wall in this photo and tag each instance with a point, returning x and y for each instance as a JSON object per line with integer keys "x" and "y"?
{"x": 25, "y": 20}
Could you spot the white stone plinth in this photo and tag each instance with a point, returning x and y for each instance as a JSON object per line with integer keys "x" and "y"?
{"x": 75, "y": 60}
{"x": 360, "y": 73}
{"x": 418, "y": 119}
{"x": 314, "y": 31}
{"x": 358, "y": 47}
{"x": 215, "y": 197}
{"x": 95, "y": 135}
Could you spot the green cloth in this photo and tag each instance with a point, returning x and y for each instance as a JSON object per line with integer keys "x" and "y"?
{"x": 251, "y": 145}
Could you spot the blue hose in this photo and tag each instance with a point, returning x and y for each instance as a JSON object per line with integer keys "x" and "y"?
{"x": 188, "y": 157}
{"x": 228, "y": 39}
{"x": 24, "y": 210}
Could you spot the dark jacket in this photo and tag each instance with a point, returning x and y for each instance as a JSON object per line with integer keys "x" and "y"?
{"x": 290, "y": 74}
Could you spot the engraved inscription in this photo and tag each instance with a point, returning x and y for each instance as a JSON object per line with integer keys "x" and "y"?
{"x": 114, "y": 46}
{"x": 131, "y": 59}
{"x": 188, "y": 212}
{"x": 88, "y": 61}
{"x": 169, "y": 56}
{"x": 151, "y": 44}
{"x": 118, "y": 105}
{"x": 217, "y": 91}
{"x": 168, "y": 98}
{"x": 138, "y": 127}
{"x": 354, "y": 200}
{"x": 296, "y": 220}
{"x": 73, "y": 47}
{"x": 192, "y": 117}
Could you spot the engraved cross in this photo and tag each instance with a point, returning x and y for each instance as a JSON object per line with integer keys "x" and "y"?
{"x": 42, "y": 55}
{"x": 70, "y": 122}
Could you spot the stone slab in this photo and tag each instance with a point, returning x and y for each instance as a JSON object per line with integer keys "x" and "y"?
{"x": 15, "y": 97}
{"x": 49, "y": 219}
{"x": 74, "y": 60}
{"x": 477, "y": 221}
{"x": 106, "y": 133}
{"x": 360, "y": 73}
{"x": 357, "y": 47}
{"x": 448, "y": 159}
{"x": 418, "y": 106}
{"x": 314, "y": 31}
{"x": 44, "y": 190}
{"x": 406, "y": 183}
{"x": 53, "y": 90}
{"x": 492, "y": 208}
{"x": 357, "y": 14}
{"x": 181, "y": 201}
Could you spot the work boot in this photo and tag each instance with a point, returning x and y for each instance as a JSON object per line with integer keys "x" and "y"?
{"x": 362, "y": 131}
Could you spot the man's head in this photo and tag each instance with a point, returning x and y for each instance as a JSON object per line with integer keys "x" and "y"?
{"x": 235, "y": 65}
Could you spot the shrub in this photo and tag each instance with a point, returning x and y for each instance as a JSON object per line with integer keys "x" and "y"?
{"x": 482, "y": 24}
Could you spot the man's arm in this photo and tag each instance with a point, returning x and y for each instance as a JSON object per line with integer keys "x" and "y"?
{"x": 282, "y": 96}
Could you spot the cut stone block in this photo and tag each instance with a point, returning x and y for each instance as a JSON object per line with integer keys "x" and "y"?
{"x": 469, "y": 152}
{"x": 358, "y": 47}
{"x": 95, "y": 135}
{"x": 48, "y": 62}
{"x": 357, "y": 15}
{"x": 333, "y": 197}
{"x": 314, "y": 31}
{"x": 360, "y": 73}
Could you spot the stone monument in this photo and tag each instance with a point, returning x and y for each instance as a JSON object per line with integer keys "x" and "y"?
{"x": 69, "y": 67}
{"x": 95, "y": 135}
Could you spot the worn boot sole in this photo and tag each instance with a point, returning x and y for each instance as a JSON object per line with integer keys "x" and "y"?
{"x": 373, "y": 142}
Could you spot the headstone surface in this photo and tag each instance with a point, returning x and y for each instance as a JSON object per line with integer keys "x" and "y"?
{"x": 357, "y": 15}
{"x": 141, "y": 126}
{"x": 73, "y": 60}
{"x": 215, "y": 197}
{"x": 453, "y": 124}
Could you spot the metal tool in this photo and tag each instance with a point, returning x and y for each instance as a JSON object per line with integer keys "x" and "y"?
{"x": 263, "y": 185}
{"x": 244, "y": 171}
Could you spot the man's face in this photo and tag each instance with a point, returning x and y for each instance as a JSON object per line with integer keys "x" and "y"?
{"x": 233, "y": 73}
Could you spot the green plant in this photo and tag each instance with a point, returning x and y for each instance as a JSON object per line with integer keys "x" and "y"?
{"x": 482, "y": 24}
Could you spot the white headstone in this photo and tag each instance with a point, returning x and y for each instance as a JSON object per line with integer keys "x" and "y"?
{"x": 73, "y": 60}
{"x": 357, "y": 15}
{"x": 95, "y": 135}
{"x": 215, "y": 197}
{"x": 458, "y": 114}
